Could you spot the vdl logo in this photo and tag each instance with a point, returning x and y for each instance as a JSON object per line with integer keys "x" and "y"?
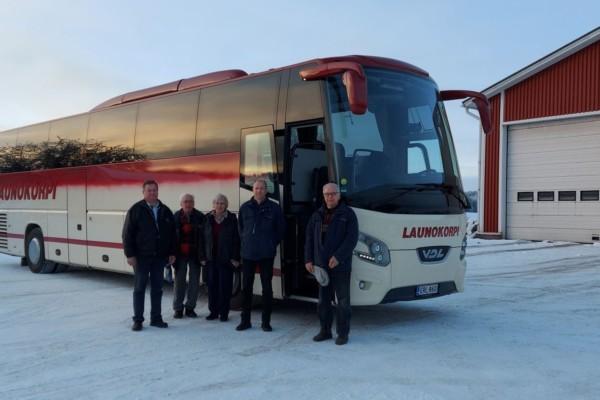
{"x": 433, "y": 253}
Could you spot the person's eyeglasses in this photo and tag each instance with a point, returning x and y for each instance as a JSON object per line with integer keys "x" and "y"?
{"x": 330, "y": 194}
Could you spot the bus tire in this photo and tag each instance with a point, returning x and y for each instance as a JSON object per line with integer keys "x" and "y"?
{"x": 237, "y": 282}
{"x": 34, "y": 253}
{"x": 236, "y": 292}
{"x": 61, "y": 268}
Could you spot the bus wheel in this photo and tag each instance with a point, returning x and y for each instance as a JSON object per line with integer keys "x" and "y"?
{"x": 236, "y": 292}
{"x": 237, "y": 282}
{"x": 34, "y": 253}
{"x": 61, "y": 268}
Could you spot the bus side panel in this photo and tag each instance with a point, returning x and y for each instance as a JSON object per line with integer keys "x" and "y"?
{"x": 57, "y": 247}
{"x": 27, "y": 198}
{"x": 77, "y": 221}
{"x": 113, "y": 189}
{"x": 19, "y": 220}
{"x": 104, "y": 248}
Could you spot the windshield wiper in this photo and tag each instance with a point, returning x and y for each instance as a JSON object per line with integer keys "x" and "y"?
{"x": 378, "y": 196}
{"x": 449, "y": 189}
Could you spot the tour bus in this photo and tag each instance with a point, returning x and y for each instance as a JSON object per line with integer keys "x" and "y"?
{"x": 375, "y": 126}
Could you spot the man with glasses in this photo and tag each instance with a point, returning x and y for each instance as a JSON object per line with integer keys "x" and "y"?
{"x": 188, "y": 225}
{"x": 331, "y": 235}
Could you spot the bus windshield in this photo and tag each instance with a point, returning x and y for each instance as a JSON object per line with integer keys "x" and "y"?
{"x": 398, "y": 157}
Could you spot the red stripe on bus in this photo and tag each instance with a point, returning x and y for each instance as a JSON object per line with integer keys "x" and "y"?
{"x": 53, "y": 239}
{"x": 91, "y": 243}
{"x": 30, "y": 185}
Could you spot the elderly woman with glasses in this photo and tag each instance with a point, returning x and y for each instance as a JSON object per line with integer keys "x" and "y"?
{"x": 221, "y": 254}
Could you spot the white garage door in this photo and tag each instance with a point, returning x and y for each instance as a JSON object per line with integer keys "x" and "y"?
{"x": 553, "y": 180}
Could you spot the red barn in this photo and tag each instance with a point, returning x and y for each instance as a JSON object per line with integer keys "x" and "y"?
{"x": 540, "y": 165}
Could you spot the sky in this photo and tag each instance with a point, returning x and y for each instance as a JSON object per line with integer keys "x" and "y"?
{"x": 59, "y": 58}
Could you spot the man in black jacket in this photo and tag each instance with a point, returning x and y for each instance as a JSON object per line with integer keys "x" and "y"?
{"x": 331, "y": 235}
{"x": 261, "y": 229}
{"x": 188, "y": 226}
{"x": 149, "y": 244}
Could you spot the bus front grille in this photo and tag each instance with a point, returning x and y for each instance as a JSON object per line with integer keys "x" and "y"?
{"x": 3, "y": 232}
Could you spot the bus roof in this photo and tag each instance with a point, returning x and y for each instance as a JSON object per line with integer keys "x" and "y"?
{"x": 227, "y": 75}
{"x": 215, "y": 78}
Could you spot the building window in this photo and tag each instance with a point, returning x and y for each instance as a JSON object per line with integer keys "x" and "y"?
{"x": 525, "y": 196}
{"x": 570, "y": 195}
{"x": 589, "y": 195}
{"x": 545, "y": 196}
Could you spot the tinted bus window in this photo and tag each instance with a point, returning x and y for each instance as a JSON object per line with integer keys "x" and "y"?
{"x": 31, "y": 142}
{"x": 73, "y": 129}
{"x": 67, "y": 142}
{"x": 226, "y": 109}
{"x": 113, "y": 127}
{"x": 258, "y": 158}
{"x": 111, "y": 135}
{"x": 33, "y": 135}
{"x": 303, "y": 98}
{"x": 167, "y": 127}
{"x": 8, "y": 140}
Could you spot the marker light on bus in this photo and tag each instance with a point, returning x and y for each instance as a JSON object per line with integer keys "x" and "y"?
{"x": 378, "y": 254}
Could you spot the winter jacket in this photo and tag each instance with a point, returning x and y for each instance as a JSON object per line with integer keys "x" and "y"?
{"x": 229, "y": 240}
{"x": 261, "y": 229}
{"x": 197, "y": 220}
{"x": 142, "y": 238}
{"x": 340, "y": 239}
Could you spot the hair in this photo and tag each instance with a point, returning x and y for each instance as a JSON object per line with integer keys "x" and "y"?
{"x": 149, "y": 182}
{"x": 222, "y": 197}
{"x": 184, "y": 195}
{"x": 264, "y": 182}
{"x": 337, "y": 188}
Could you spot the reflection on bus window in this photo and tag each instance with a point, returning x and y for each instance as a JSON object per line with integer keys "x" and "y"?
{"x": 258, "y": 159}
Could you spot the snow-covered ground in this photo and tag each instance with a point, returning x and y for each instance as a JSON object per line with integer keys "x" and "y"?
{"x": 527, "y": 327}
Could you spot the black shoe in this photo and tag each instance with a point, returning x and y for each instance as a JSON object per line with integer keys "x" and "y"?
{"x": 224, "y": 318}
{"x": 211, "y": 317}
{"x": 341, "y": 340}
{"x": 266, "y": 327}
{"x": 243, "y": 326}
{"x": 137, "y": 326}
{"x": 178, "y": 314}
{"x": 190, "y": 313}
{"x": 322, "y": 335}
{"x": 159, "y": 323}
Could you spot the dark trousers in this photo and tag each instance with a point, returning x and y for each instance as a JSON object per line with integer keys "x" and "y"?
{"x": 192, "y": 286}
{"x": 266, "y": 276}
{"x": 148, "y": 268}
{"x": 220, "y": 285}
{"x": 339, "y": 286}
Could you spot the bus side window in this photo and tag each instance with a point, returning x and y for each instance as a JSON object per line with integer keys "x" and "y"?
{"x": 258, "y": 159}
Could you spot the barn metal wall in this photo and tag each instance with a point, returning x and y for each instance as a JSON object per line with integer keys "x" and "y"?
{"x": 492, "y": 172}
{"x": 568, "y": 87}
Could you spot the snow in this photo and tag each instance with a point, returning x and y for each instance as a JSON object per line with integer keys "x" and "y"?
{"x": 525, "y": 327}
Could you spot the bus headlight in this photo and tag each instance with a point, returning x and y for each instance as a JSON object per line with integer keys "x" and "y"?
{"x": 378, "y": 254}
{"x": 463, "y": 248}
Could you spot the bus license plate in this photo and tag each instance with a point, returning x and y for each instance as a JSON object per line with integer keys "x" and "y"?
{"x": 424, "y": 290}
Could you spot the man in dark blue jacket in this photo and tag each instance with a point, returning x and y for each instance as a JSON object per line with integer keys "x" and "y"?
{"x": 149, "y": 243}
{"x": 331, "y": 236}
{"x": 261, "y": 229}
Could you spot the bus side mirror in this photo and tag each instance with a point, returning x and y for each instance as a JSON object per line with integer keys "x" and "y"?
{"x": 481, "y": 102}
{"x": 353, "y": 77}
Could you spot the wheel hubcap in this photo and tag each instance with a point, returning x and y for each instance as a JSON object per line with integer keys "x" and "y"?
{"x": 34, "y": 250}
